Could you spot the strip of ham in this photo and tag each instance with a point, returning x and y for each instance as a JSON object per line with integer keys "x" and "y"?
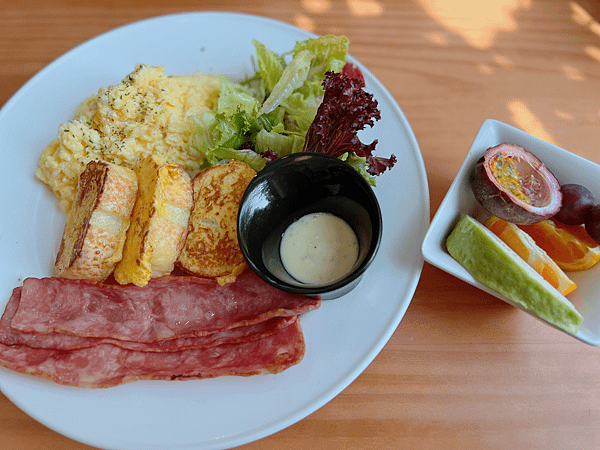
{"x": 60, "y": 341}
{"x": 167, "y": 308}
{"x": 107, "y": 365}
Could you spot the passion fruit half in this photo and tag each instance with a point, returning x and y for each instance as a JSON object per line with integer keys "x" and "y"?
{"x": 513, "y": 184}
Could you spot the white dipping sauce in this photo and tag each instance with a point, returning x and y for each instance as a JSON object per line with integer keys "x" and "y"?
{"x": 319, "y": 248}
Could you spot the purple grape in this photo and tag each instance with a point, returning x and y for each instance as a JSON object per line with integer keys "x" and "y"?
{"x": 577, "y": 200}
{"x": 592, "y": 223}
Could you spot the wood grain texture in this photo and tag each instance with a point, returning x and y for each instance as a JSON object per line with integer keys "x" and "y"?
{"x": 463, "y": 370}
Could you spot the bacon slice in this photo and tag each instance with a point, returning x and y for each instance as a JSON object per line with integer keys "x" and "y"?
{"x": 166, "y": 308}
{"x": 60, "y": 341}
{"x": 107, "y": 365}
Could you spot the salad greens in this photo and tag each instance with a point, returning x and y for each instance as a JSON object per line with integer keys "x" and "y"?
{"x": 272, "y": 110}
{"x": 345, "y": 110}
{"x": 270, "y": 114}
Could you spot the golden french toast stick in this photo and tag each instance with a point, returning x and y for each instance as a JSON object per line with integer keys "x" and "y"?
{"x": 159, "y": 222}
{"x": 212, "y": 248}
{"x": 93, "y": 238}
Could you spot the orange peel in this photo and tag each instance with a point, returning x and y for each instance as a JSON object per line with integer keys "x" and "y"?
{"x": 571, "y": 248}
{"x": 524, "y": 246}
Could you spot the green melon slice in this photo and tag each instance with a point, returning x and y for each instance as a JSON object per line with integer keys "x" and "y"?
{"x": 497, "y": 266}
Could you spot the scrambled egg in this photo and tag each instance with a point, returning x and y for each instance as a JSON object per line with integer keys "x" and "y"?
{"x": 148, "y": 113}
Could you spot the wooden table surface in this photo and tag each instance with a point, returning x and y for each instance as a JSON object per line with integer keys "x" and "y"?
{"x": 463, "y": 370}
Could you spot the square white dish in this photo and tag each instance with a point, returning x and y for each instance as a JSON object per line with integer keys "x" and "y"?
{"x": 459, "y": 200}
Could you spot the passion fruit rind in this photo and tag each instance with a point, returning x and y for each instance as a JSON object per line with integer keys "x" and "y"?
{"x": 515, "y": 185}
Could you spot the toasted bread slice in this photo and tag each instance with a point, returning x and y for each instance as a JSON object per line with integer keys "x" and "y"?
{"x": 93, "y": 238}
{"x": 158, "y": 224}
{"x": 212, "y": 248}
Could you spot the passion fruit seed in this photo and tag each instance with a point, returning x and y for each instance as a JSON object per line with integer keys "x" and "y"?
{"x": 513, "y": 184}
{"x": 577, "y": 200}
{"x": 592, "y": 223}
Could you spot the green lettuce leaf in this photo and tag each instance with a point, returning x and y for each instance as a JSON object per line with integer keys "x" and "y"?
{"x": 270, "y": 65}
{"x": 329, "y": 54}
{"x": 292, "y": 78}
{"x": 360, "y": 164}
{"x": 281, "y": 143}
{"x": 271, "y": 110}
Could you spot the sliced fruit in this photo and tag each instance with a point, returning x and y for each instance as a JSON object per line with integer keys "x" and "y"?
{"x": 570, "y": 246}
{"x": 496, "y": 265}
{"x": 526, "y": 248}
{"x": 513, "y": 184}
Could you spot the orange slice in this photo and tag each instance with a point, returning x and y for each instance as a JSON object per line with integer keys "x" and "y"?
{"x": 568, "y": 245}
{"x": 526, "y": 248}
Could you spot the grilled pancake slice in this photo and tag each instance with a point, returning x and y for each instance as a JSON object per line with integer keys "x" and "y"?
{"x": 93, "y": 238}
{"x": 158, "y": 224}
{"x": 212, "y": 249}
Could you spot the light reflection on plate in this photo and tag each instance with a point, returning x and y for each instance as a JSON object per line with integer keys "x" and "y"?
{"x": 342, "y": 338}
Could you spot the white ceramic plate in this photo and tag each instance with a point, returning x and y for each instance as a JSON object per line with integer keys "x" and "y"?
{"x": 342, "y": 337}
{"x": 459, "y": 200}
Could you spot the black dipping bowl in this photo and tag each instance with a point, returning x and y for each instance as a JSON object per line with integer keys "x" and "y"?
{"x": 291, "y": 187}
